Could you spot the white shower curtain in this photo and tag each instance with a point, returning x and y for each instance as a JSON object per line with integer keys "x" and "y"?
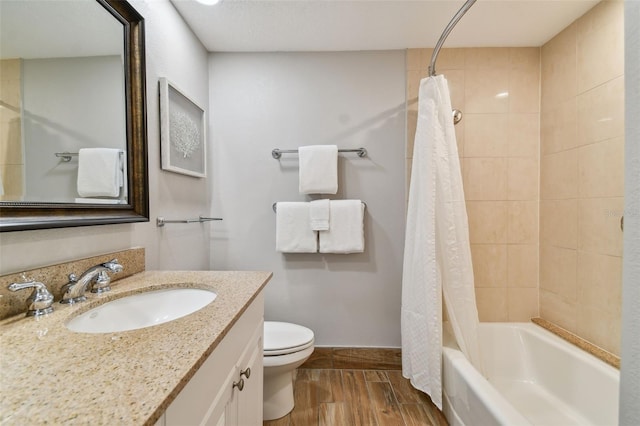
{"x": 437, "y": 254}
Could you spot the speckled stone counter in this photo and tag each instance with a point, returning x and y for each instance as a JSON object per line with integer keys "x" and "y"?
{"x": 52, "y": 375}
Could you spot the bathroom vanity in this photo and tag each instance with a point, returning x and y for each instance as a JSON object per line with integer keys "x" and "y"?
{"x": 227, "y": 388}
{"x": 203, "y": 368}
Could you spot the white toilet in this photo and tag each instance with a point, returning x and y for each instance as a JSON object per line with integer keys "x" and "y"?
{"x": 286, "y": 347}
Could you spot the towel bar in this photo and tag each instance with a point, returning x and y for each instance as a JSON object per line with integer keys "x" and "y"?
{"x": 274, "y": 206}
{"x": 161, "y": 221}
{"x": 66, "y": 156}
{"x": 277, "y": 153}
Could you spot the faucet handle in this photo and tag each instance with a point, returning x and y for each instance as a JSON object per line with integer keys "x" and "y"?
{"x": 101, "y": 283}
{"x": 40, "y": 300}
{"x": 113, "y": 266}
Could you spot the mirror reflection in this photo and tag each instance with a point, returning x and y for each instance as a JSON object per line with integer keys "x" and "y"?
{"x": 63, "y": 132}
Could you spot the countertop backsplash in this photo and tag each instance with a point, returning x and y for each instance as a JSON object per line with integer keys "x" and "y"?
{"x": 56, "y": 276}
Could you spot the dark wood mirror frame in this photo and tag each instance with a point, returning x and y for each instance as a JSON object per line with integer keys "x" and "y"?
{"x": 25, "y": 216}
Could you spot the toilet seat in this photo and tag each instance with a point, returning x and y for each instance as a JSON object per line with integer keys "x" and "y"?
{"x": 282, "y": 338}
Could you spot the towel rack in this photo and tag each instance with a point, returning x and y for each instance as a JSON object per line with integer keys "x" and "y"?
{"x": 161, "y": 221}
{"x": 277, "y": 153}
{"x": 274, "y": 206}
{"x": 66, "y": 156}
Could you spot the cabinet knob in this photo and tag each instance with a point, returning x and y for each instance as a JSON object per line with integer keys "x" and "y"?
{"x": 246, "y": 372}
{"x": 239, "y": 385}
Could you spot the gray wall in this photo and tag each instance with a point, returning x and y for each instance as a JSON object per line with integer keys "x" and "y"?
{"x": 172, "y": 51}
{"x": 69, "y": 103}
{"x": 265, "y": 101}
{"x": 630, "y": 368}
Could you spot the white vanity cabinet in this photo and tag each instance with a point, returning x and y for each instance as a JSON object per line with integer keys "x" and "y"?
{"x": 223, "y": 392}
{"x": 242, "y": 408}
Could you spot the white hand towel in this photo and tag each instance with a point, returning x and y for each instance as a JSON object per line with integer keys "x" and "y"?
{"x": 318, "y": 169}
{"x": 346, "y": 234}
{"x": 293, "y": 229}
{"x": 319, "y": 215}
{"x": 99, "y": 172}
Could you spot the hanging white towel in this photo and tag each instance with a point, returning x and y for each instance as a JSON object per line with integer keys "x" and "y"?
{"x": 99, "y": 172}
{"x": 293, "y": 229}
{"x": 319, "y": 215}
{"x": 318, "y": 169}
{"x": 346, "y": 234}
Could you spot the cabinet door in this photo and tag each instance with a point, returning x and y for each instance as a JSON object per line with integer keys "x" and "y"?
{"x": 222, "y": 411}
{"x": 250, "y": 399}
{"x": 231, "y": 408}
{"x": 210, "y": 398}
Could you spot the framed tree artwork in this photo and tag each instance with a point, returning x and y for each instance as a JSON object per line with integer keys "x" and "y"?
{"x": 182, "y": 132}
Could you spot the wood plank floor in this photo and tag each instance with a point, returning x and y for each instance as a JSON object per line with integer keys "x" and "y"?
{"x": 332, "y": 397}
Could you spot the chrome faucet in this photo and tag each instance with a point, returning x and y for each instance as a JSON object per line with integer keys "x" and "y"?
{"x": 40, "y": 301}
{"x": 97, "y": 277}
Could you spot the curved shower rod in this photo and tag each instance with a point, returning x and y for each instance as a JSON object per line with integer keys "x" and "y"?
{"x": 434, "y": 56}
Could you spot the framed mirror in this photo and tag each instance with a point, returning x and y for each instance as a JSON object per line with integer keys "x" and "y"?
{"x": 72, "y": 114}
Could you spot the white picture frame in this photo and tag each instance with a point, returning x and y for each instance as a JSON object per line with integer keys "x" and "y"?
{"x": 183, "y": 141}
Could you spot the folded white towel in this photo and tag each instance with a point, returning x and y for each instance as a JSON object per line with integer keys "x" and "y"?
{"x": 346, "y": 234}
{"x": 319, "y": 215}
{"x": 318, "y": 169}
{"x": 99, "y": 172}
{"x": 293, "y": 229}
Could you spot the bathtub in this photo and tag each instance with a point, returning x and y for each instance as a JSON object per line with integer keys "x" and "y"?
{"x": 533, "y": 377}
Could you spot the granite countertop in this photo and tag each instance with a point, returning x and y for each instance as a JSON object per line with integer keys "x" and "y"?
{"x": 49, "y": 374}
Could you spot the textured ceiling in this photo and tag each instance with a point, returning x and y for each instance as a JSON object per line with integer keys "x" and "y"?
{"x": 335, "y": 25}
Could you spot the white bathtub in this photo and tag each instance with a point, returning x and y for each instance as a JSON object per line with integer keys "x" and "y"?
{"x": 533, "y": 377}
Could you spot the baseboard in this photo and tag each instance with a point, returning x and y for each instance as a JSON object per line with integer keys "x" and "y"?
{"x": 355, "y": 358}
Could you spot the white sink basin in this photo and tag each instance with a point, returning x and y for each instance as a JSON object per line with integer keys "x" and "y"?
{"x": 141, "y": 310}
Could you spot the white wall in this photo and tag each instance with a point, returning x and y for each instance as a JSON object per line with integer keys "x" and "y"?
{"x": 630, "y": 368}
{"x": 172, "y": 51}
{"x": 68, "y": 103}
{"x": 285, "y": 100}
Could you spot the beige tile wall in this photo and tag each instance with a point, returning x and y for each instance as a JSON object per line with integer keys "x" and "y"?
{"x": 11, "y": 158}
{"x": 498, "y": 143}
{"x": 581, "y": 176}
{"x": 542, "y": 124}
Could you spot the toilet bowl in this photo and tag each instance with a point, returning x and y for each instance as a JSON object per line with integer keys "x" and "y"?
{"x": 286, "y": 347}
